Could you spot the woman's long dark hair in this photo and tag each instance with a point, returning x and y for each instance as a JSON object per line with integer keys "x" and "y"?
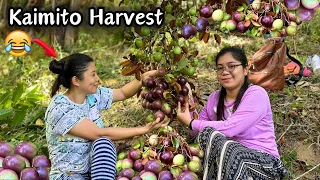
{"x": 238, "y": 54}
{"x": 72, "y": 65}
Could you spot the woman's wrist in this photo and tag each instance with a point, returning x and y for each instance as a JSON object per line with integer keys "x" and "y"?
{"x": 139, "y": 84}
{"x": 136, "y": 85}
{"x": 145, "y": 129}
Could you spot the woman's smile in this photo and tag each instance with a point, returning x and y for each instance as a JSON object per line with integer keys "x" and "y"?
{"x": 226, "y": 79}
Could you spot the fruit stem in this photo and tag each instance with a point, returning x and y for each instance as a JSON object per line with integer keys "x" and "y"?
{"x": 224, "y": 5}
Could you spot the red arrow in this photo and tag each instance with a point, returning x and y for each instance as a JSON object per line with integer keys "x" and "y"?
{"x": 49, "y": 50}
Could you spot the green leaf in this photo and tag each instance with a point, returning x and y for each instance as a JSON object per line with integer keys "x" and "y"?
{"x": 17, "y": 92}
{"x": 277, "y": 8}
{"x": 297, "y": 105}
{"x": 182, "y": 64}
{"x": 196, "y": 145}
{"x": 34, "y": 98}
{"x": 176, "y": 73}
{"x": 30, "y": 91}
{"x": 159, "y": 146}
{"x": 5, "y": 100}
{"x": 141, "y": 143}
{"x": 168, "y": 36}
{"x": 176, "y": 143}
{"x": 39, "y": 112}
{"x": 168, "y": 19}
{"x": 286, "y": 160}
{"x": 167, "y": 96}
{"x": 254, "y": 31}
{"x": 136, "y": 145}
{"x": 126, "y": 2}
{"x": 18, "y": 117}
{"x": 294, "y": 154}
{"x": 194, "y": 39}
{"x": 4, "y": 113}
{"x": 26, "y": 104}
{"x": 288, "y": 91}
{"x": 146, "y": 153}
{"x": 240, "y": 8}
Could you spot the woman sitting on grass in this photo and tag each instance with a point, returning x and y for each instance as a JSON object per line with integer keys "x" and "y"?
{"x": 236, "y": 126}
{"x": 79, "y": 145}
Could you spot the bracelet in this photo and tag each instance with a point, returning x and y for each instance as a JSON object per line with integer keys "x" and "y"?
{"x": 190, "y": 125}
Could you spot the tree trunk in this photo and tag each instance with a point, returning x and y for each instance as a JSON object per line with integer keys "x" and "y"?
{"x": 31, "y": 4}
{"x": 3, "y": 17}
{"x": 35, "y": 3}
{"x": 3, "y": 7}
{"x": 71, "y": 34}
{"x": 61, "y": 3}
{"x": 58, "y": 33}
{"x": 52, "y": 31}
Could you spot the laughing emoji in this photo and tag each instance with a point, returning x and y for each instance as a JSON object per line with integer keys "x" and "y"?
{"x": 18, "y": 43}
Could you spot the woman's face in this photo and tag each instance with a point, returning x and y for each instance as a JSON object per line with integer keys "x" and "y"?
{"x": 231, "y": 74}
{"x": 90, "y": 81}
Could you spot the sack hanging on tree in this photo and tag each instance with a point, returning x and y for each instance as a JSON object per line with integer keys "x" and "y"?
{"x": 294, "y": 70}
{"x": 266, "y": 66}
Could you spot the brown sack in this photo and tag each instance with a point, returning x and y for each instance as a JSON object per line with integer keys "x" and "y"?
{"x": 266, "y": 66}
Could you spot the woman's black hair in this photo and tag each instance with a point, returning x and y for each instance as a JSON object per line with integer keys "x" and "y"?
{"x": 72, "y": 65}
{"x": 238, "y": 54}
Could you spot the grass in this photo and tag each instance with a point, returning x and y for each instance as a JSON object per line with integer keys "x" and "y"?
{"x": 295, "y": 109}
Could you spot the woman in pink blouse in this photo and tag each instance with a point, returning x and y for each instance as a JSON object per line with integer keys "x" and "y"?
{"x": 235, "y": 127}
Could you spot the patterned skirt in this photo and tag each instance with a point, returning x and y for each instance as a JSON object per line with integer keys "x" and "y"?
{"x": 229, "y": 160}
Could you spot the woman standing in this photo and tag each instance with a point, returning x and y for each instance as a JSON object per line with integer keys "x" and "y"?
{"x": 79, "y": 145}
{"x": 236, "y": 126}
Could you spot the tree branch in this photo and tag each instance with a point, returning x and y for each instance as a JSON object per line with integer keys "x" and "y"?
{"x": 307, "y": 172}
{"x": 285, "y": 132}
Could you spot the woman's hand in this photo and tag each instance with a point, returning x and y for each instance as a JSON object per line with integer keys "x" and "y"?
{"x": 148, "y": 74}
{"x": 184, "y": 116}
{"x": 156, "y": 125}
{"x": 190, "y": 90}
{"x": 132, "y": 87}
